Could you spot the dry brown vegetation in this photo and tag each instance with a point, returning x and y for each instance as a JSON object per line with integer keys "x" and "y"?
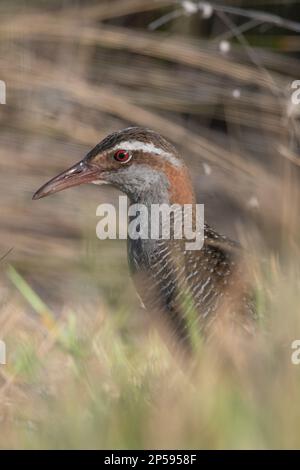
{"x": 83, "y": 369}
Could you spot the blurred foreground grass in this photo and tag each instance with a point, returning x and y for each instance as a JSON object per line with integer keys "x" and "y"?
{"x": 87, "y": 380}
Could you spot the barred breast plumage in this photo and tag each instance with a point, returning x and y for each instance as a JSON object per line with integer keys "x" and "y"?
{"x": 193, "y": 288}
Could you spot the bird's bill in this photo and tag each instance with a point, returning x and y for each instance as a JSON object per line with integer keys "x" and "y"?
{"x": 78, "y": 174}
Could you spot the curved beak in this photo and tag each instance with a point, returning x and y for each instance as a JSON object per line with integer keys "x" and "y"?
{"x": 78, "y": 174}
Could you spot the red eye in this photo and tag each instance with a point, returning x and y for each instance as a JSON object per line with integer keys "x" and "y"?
{"x": 122, "y": 156}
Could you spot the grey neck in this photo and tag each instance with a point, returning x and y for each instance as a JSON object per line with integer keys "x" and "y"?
{"x": 142, "y": 184}
{"x": 155, "y": 191}
{"x": 145, "y": 186}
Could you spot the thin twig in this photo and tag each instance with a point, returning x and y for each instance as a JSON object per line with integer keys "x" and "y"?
{"x": 6, "y": 254}
{"x": 256, "y": 15}
{"x": 251, "y": 53}
{"x": 165, "y": 19}
{"x": 260, "y": 16}
{"x": 240, "y": 29}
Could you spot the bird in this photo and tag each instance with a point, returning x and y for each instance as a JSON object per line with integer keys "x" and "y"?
{"x": 183, "y": 288}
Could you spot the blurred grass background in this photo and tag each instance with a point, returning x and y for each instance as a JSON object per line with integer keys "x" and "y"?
{"x": 84, "y": 368}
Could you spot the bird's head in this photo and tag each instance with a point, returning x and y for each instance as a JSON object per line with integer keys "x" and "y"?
{"x": 138, "y": 161}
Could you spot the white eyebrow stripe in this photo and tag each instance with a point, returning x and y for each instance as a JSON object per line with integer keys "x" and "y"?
{"x": 148, "y": 147}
